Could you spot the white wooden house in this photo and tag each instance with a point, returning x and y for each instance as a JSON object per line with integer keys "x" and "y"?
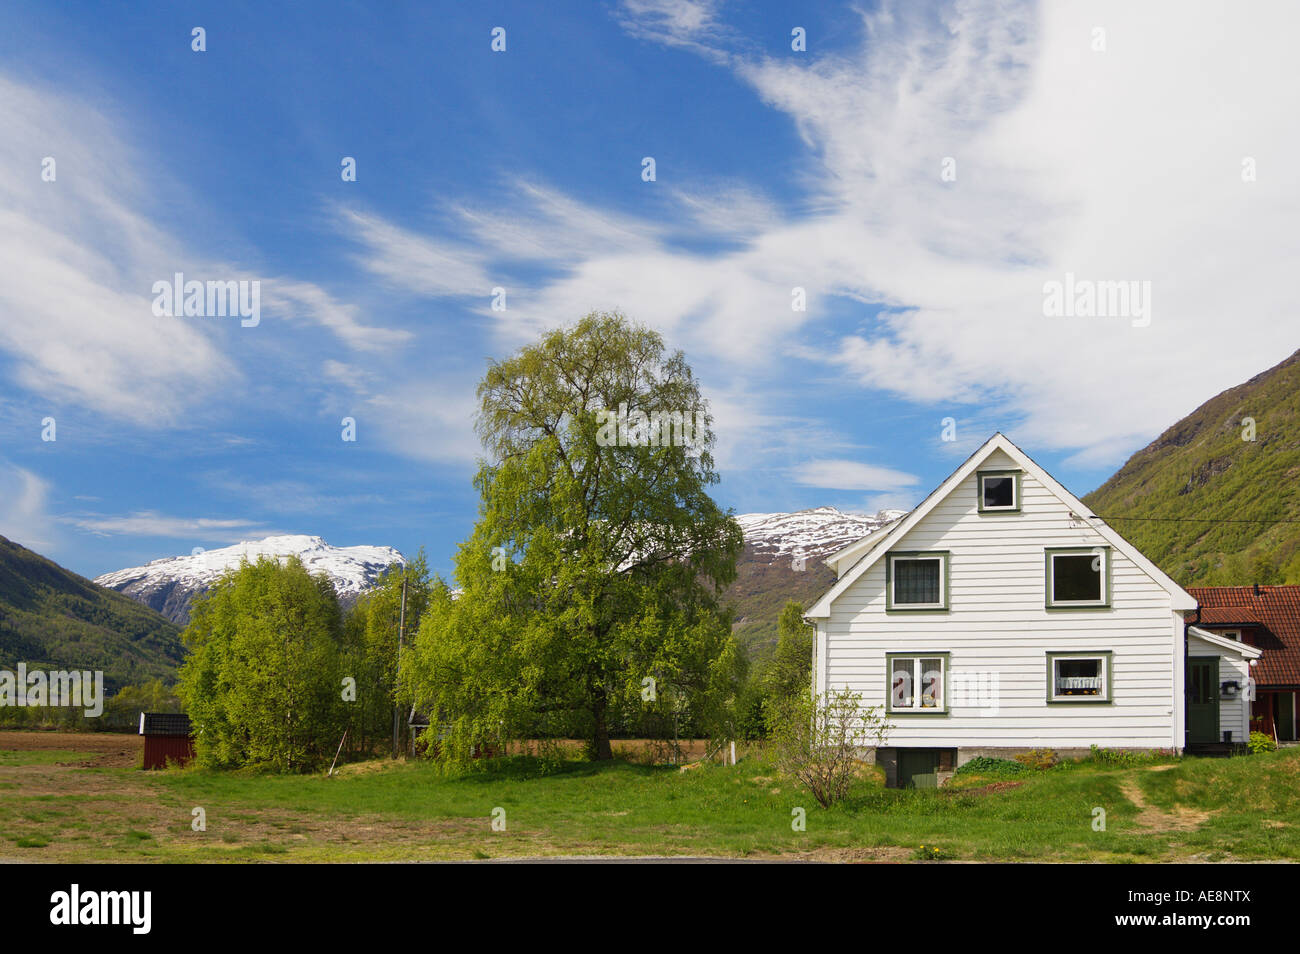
{"x": 1001, "y": 615}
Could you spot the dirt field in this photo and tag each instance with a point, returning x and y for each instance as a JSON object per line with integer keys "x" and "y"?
{"x": 78, "y": 797}
{"x": 101, "y": 748}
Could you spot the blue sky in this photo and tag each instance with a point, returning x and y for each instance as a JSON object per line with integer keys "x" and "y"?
{"x": 1111, "y": 158}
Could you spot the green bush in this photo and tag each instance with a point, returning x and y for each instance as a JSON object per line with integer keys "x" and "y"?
{"x": 1000, "y": 768}
{"x": 1119, "y": 756}
{"x": 1039, "y": 758}
{"x": 1260, "y": 742}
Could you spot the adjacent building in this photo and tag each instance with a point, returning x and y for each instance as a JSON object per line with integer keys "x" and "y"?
{"x": 1268, "y": 618}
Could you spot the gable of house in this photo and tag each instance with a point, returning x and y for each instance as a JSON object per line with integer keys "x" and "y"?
{"x": 997, "y": 455}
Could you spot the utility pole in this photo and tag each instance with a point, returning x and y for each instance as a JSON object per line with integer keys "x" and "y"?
{"x": 401, "y": 628}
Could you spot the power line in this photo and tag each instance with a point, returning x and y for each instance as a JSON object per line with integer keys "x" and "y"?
{"x": 1199, "y": 519}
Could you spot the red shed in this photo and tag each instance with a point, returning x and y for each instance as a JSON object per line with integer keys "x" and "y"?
{"x": 167, "y": 738}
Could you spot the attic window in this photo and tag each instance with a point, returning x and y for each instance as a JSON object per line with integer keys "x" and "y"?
{"x": 917, "y": 581}
{"x": 1234, "y": 634}
{"x": 999, "y": 492}
{"x": 1078, "y": 577}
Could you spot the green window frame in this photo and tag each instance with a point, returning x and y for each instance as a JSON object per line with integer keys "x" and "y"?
{"x": 916, "y": 677}
{"x": 1049, "y": 578}
{"x": 893, "y": 606}
{"x": 1058, "y": 698}
{"x": 1015, "y": 476}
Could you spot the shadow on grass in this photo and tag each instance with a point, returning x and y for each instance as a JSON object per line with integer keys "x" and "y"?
{"x": 523, "y": 768}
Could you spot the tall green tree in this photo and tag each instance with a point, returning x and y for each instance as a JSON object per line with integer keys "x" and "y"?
{"x": 790, "y": 670}
{"x": 785, "y": 673}
{"x": 263, "y": 681}
{"x": 593, "y": 573}
{"x": 371, "y": 646}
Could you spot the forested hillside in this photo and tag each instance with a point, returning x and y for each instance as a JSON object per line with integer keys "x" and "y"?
{"x": 52, "y": 618}
{"x": 1215, "y": 500}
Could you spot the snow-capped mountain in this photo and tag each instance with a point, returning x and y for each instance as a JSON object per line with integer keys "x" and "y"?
{"x": 167, "y": 585}
{"x": 814, "y": 533}
{"x": 782, "y": 561}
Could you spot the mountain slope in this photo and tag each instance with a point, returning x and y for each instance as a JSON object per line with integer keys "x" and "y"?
{"x": 1228, "y": 509}
{"x": 168, "y": 585}
{"x": 51, "y": 618}
{"x": 766, "y": 574}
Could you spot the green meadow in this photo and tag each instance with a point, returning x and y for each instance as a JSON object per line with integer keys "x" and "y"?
{"x": 58, "y": 809}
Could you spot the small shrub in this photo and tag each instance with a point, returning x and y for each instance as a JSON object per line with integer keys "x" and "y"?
{"x": 999, "y": 768}
{"x": 932, "y": 852}
{"x": 1039, "y": 759}
{"x": 1260, "y": 742}
{"x": 816, "y": 740}
{"x": 1116, "y": 756}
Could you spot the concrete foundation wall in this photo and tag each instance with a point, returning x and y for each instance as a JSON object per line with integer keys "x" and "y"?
{"x": 887, "y": 758}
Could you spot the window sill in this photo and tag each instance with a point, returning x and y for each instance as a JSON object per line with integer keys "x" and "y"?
{"x": 1079, "y": 702}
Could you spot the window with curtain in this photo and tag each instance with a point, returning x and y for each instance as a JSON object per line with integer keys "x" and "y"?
{"x": 917, "y": 581}
{"x": 917, "y": 683}
{"x": 1080, "y": 678}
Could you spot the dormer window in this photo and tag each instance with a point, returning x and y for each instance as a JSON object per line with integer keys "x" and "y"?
{"x": 999, "y": 491}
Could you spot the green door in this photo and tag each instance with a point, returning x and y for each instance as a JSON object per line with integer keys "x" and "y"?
{"x": 1284, "y": 718}
{"x": 918, "y": 768}
{"x": 1203, "y": 699}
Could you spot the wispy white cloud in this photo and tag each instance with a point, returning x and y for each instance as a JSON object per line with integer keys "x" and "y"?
{"x": 149, "y": 523}
{"x": 544, "y": 225}
{"x": 850, "y": 475}
{"x": 730, "y": 209}
{"x": 430, "y": 421}
{"x": 689, "y": 24}
{"x": 81, "y": 254}
{"x": 299, "y": 300}
{"x": 291, "y": 496}
{"x": 1032, "y": 116}
{"x": 24, "y": 515}
{"x": 80, "y": 258}
{"x": 414, "y": 262}
{"x": 353, "y": 378}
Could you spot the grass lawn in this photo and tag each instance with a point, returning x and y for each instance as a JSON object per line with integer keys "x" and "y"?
{"x": 55, "y": 808}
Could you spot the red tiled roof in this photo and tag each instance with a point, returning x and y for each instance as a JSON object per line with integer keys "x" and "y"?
{"x": 1225, "y": 615}
{"x": 1275, "y": 613}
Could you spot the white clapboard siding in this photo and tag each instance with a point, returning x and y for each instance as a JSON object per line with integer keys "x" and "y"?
{"x": 997, "y": 625}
